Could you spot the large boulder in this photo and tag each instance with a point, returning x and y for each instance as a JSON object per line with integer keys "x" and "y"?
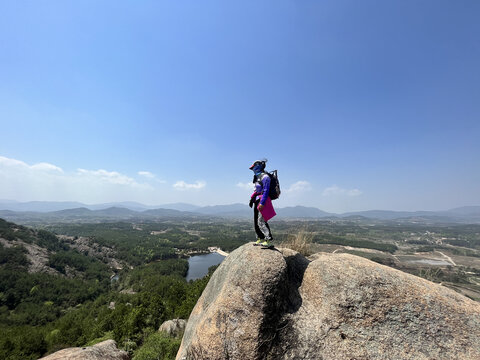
{"x": 275, "y": 304}
{"x": 174, "y": 327}
{"x": 106, "y": 350}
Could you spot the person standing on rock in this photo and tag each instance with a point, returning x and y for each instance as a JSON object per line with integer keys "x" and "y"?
{"x": 263, "y": 209}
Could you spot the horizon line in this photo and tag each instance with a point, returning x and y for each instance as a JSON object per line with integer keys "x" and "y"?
{"x": 161, "y": 206}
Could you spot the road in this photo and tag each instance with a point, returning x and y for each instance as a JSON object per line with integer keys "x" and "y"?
{"x": 448, "y": 258}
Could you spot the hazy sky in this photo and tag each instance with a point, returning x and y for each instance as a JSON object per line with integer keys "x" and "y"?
{"x": 358, "y": 104}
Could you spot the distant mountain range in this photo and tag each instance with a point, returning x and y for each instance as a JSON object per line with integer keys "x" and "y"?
{"x": 46, "y": 210}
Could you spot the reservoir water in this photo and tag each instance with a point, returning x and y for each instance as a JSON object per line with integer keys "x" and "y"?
{"x": 198, "y": 265}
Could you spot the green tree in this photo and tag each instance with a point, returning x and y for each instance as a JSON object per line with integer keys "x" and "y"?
{"x": 158, "y": 347}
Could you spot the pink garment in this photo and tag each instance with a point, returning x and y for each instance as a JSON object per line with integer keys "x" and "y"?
{"x": 268, "y": 211}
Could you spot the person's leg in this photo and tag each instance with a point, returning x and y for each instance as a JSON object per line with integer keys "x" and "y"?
{"x": 269, "y": 231}
{"x": 264, "y": 227}
{"x": 259, "y": 232}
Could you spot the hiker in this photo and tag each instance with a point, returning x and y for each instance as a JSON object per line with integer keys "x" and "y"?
{"x": 263, "y": 210}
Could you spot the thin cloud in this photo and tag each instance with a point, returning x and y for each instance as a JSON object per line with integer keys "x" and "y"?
{"x": 45, "y": 181}
{"x": 111, "y": 177}
{"x": 300, "y": 186}
{"x": 43, "y": 166}
{"x": 12, "y": 162}
{"x": 246, "y": 186}
{"x": 182, "y": 185}
{"x": 335, "y": 190}
{"x": 146, "y": 174}
{"x": 46, "y": 167}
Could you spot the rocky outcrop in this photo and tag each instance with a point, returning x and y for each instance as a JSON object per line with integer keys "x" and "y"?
{"x": 36, "y": 255}
{"x": 106, "y": 350}
{"x": 275, "y": 304}
{"x": 86, "y": 246}
{"x": 174, "y": 327}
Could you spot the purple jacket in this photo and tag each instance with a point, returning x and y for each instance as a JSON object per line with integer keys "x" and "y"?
{"x": 262, "y": 188}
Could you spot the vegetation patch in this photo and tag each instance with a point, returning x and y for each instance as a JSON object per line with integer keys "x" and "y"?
{"x": 158, "y": 347}
{"x": 391, "y": 248}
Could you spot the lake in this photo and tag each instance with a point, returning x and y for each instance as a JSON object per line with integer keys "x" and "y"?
{"x": 198, "y": 265}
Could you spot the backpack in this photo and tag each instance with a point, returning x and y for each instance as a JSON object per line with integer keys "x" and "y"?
{"x": 274, "y": 192}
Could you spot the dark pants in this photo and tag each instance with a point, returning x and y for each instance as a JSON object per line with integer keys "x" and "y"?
{"x": 261, "y": 226}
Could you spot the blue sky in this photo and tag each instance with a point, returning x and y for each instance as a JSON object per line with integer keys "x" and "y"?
{"x": 358, "y": 104}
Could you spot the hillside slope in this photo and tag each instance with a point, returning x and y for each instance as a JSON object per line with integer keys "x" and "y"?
{"x": 44, "y": 252}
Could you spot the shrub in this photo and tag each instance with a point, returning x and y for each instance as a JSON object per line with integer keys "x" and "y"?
{"x": 13, "y": 257}
{"x": 158, "y": 346}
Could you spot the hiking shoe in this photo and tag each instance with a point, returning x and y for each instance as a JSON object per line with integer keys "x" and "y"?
{"x": 266, "y": 244}
{"x": 258, "y": 242}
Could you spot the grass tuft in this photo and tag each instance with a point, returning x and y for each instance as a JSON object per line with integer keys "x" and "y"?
{"x": 301, "y": 242}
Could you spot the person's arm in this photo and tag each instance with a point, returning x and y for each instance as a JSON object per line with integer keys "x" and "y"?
{"x": 266, "y": 189}
{"x": 252, "y": 199}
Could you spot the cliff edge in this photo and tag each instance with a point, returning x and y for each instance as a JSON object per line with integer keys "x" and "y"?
{"x": 276, "y": 304}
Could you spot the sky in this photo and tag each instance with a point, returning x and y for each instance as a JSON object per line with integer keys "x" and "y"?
{"x": 359, "y": 105}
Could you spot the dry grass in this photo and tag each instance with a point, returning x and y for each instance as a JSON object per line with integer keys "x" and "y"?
{"x": 300, "y": 242}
